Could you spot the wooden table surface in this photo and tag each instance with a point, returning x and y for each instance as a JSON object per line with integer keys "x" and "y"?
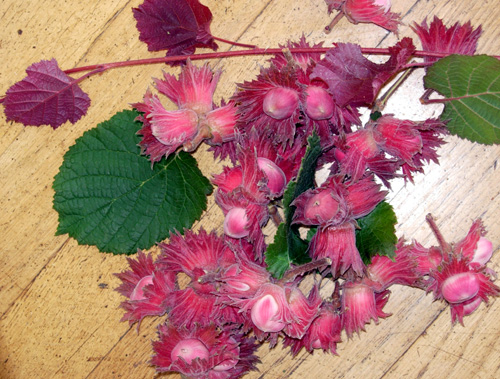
{"x": 59, "y": 314}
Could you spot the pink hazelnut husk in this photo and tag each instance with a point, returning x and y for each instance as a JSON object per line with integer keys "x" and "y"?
{"x": 460, "y": 287}
{"x": 189, "y": 349}
{"x": 319, "y": 103}
{"x": 280, "y": 102}
{"x": 236, "y": 223}
{"x": 276, "y": 179}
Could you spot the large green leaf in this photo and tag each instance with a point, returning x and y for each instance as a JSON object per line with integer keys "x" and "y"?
{"x": 377, "y": 233}
{"x": 108, "y": 194}
{"x": 471, "y": 86}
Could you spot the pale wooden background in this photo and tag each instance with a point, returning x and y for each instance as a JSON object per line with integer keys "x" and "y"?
{"x": 59, "y": 313}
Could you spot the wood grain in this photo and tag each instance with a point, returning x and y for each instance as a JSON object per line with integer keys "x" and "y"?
{"x": 59, "y": 314}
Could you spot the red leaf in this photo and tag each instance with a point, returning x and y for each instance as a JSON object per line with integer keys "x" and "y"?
{"x": 177, "y": 25}
{"x": 353, "y": 79}
{"x": 46, "y": 96}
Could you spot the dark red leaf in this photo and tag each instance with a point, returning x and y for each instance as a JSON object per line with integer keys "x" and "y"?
{"x": 177, "y": 25}
{"x": 400, "y": 55}
{"x": 353, "y": 79}
{"x": 46, "y": 96}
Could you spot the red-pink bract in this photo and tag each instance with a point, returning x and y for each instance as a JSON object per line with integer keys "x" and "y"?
{"x": 368, "y": 11}
{"x": 430, "y": 131}
{"x": 384, "y": 271}
{"x": 140, "y": 268}
{"x": 221, "y": 122}
{"x": 210, "y": 353}
{"x": 467, "y": 246}
{"x": 229, "y": 179}
{"x": 155, "y": 288}
{"x": 158, "y": 122}
{"x": 171, "y": 127}
{"x": 359, "y": 148}
{"x": 361, "y": 304}
{"x": 323, "y": 333}
{"x": 437, "y": 38}
{"x": 165, "y": 131}
{"x": 339, "y": 244}
{"x": 177, "y": 25}
{"x": 363, "y": 196}
{"x": 426, "y": 259}
{"x": 306, "y": 61}
{"x": 452, "y": 281}
{"x": 46, "y": 96}
{"x": 334, "y": 207}
{"x": 242, "y": 279}
{"x": 399, "y": 138}
{"x": 193, "y": 89}
{"x": 276, "y": 308}
{"x": 200, "y": 256}
{"x": 257, "y": 215}
{"x": 252, "y": 96}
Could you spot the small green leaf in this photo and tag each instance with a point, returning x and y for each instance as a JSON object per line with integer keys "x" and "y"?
{"x": 307, "y": 171}
{"x": 377, "y": 233}
{"x": 107, "y": 194}
{"x": 276, "y": 258}
{"x": 374, "y": 116}
{"x": 311, "y": 232}
{"x": 471, "y": 86}
{"x": 288, "y": 247}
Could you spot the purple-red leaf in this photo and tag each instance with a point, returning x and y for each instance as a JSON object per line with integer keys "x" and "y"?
{"x": 353, "y": 79}
{"x": 177, "y": 25}
{"x": 46, "y": 96}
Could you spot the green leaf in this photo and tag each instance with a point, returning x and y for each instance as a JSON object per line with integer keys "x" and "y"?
{"x": 311, "y": 232}
{"x": 276, "y": 258}
{"x": 471, "y": 86}
{"x": 108, "y": 194}
{"x": 374, "y": 116}
{"x": 377, "y": 233}
{"x": 307, "y": 171}
{"x": 288, "y": 247}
